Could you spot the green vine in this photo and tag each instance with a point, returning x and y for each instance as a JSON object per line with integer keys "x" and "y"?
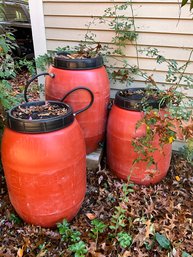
{"x": 177, "y": 81}
{"x": 184, "y": 2}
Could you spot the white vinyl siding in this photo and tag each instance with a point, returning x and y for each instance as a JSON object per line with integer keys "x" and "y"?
{"x": 160, "y": 24}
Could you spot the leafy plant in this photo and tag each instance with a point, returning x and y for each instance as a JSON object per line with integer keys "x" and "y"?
{"x": 7, "y": 44}
{"x": 7, "y": 100}
{"x": 72, "y": 238}
{"x": 124, "y": 239}
{"x": 97, "y": 228}
{"x": 79, "y": 249}
{"x": 166, "y": 126}
{"x": 7, "y": 97}
{"x": 15, "y": 219}
{"x": 118, "y": 219}
{"x": 43, "y": 61}
{"x": 68, "y": 233}
{"x": 7, "y": 70}
{"x": 64, "y": 229}
{"x": 29, "y": 64}
{"x": 156, "y": 123}
{"x": 123, "y": 27}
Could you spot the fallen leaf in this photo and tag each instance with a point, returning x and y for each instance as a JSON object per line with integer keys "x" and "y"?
{"x": 92, "y": 250}
{"x": 126, "y": 254}
{"x": 42, "y": 253}
{"x": 90, "y": 216}
{"x": 20, "y": 252}
{"x": 147, "y": 233}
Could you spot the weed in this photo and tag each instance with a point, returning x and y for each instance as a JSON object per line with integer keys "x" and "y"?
{"x": 43, "y": 61}
{"x": 72, "y": 238}
{"x": 79, "y": 249}
{"x": 124, "y": 239}
{"x": 29, "y": 64}
{"x": 122, "y": 26}
{"x": 68, "y": 233}
{"x": 7, "y": 44}
{"x": 64, "y": 229}
{"x": 119, "y": 218}
{"x": 15, "y": 219}
{"x": 97, "y": 228}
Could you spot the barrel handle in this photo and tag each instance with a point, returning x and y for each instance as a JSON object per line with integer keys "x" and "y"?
{"x": 79, "y": 88}
{"x": 52, "y": 75}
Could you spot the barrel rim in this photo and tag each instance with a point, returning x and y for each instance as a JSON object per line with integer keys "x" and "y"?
{"x": 136, "y": 101}
{"x": 77, "y": 64}
{"x": 40, "y": 125}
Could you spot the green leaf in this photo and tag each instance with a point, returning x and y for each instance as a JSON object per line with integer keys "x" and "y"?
{"x": 124, "y": 239}
{"x": 63, "y": 228}
{"x": 191, "y": 5}
{"x": 15, "y": 219}
{"x": 10, "y": 36}
{"x": 78, "y": 248}
{"x": 185, "y": 254}
{"x": 98, "y": 226}
{"x": 4, "y": 45}
{"x": 162, "y": 241}
{"x": 184, "y": 2}
{"x": 75, "y": 236}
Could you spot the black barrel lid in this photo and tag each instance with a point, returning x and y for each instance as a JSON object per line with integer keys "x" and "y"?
{"x": 40, "y": 125}
{"x": 135, "y": 99}
{"x": 61, "y": 62}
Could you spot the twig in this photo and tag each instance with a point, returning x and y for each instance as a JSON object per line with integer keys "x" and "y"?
{"x": 136, "y": 46}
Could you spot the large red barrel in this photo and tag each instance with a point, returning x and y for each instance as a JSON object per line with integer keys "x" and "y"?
{"x": 45, "y": 167}
{"x": 89, "y": 73}
{"x": 121, "y": 131}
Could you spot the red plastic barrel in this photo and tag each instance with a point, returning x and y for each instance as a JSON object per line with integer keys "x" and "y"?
{"x": 91, "y": 74}
{"x": 44, "y": 163}
{"x": 121, "y": 130}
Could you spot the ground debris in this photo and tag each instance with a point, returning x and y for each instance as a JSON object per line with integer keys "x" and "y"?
{"x": 165, "y": 208}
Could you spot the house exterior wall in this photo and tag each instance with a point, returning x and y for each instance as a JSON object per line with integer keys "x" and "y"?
{"x": 157, "y": 23}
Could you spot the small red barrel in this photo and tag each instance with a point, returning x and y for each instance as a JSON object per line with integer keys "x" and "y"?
{"x": 44, "y": 162}
{"x": 121, "y": 130}
{"x": 89, "y": 73}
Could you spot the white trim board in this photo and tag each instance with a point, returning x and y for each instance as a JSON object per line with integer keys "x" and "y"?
{"x": 38, "y": 27}
{"x": 39, "y": 36}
